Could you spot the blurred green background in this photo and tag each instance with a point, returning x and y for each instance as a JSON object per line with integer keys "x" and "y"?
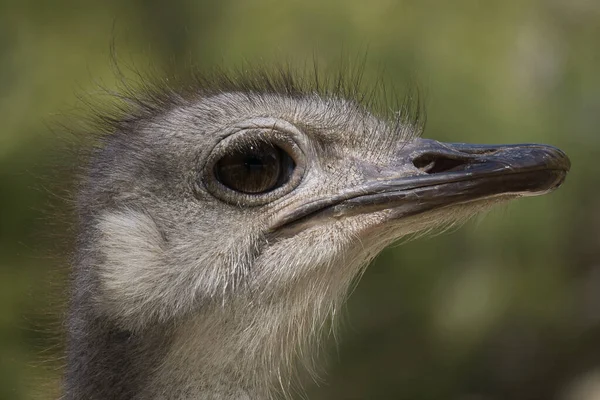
{"x": 507, "y": 307}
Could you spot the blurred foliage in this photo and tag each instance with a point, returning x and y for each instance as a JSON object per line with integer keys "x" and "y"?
{"x": 507, "y": 307}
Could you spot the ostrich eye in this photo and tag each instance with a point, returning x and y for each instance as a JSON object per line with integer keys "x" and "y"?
{"x": 254, "y": 168}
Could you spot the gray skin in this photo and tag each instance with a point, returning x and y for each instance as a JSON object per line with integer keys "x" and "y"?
{"x": 184, "y": 288}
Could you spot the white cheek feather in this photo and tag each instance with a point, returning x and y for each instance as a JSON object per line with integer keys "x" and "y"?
{"x": 133, "y": 264}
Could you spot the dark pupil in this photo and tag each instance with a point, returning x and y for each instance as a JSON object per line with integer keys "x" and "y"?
{"x": 256, "y": 168}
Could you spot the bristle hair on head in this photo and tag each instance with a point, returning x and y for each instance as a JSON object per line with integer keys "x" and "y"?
{"x": 140, "y": 95}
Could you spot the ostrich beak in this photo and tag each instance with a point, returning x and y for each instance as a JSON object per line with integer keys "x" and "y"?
{"x": 431, "y": 175}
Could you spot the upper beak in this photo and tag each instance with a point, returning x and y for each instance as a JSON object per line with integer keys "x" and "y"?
{"x": 430, "y": 175}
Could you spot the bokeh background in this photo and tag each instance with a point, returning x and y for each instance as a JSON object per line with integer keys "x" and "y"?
{"x": 507, "y": 307}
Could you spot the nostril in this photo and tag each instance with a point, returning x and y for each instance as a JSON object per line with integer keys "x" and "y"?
{"x": 436, "y": 163}
{"x": 485, "y": 151}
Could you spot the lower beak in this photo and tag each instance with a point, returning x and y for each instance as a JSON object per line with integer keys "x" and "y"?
{"x": 433, "y": 175}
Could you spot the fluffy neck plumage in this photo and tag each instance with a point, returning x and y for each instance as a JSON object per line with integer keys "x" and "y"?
{"x": 239, "y": 350}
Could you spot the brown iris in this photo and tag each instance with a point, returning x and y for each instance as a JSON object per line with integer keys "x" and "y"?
{"x": 254, "y": 168}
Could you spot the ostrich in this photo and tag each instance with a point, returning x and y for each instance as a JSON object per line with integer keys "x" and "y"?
{"x": 222, "y": 223}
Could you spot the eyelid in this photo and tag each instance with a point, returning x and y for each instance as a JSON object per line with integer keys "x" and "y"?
{"x": 246, "y": 137}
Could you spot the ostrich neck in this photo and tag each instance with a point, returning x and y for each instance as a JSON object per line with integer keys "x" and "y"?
{"x": 194, "y": 361}
{"x": 218, "y": 354}
{"x": 105, "y": 362}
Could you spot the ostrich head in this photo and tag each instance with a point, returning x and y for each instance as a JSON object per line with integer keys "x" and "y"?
{"x": 222, "y": 225}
